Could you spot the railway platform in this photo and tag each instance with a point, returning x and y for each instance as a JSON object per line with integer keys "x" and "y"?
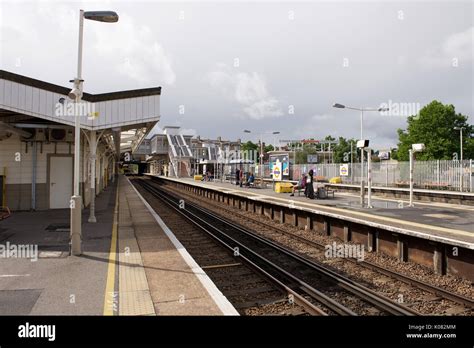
{"x": 439, "y": 220}
{"x": 131, "y": 264}
{"x": 48, "y": 281}
{"x": 434, "y": 234}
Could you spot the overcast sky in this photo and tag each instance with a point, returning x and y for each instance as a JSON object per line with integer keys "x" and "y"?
{"x": 263, "y": 66}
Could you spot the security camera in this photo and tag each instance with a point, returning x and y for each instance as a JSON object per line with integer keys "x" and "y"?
{"x": 75, "y": 93}
{"x": 363, "y": 143}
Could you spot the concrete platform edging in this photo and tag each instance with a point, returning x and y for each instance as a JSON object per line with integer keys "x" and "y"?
{"x": 405, "y": 240}
{"x": 352, "y": 216}
{"x": 221, "y": 301}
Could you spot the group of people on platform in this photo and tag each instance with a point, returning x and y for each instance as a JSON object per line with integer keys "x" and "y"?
{"x": 244, "y": 179}
{"x": 208, "y": 176}
{"x": 305, "y": 183}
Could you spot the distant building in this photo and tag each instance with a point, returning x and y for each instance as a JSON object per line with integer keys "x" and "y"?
{"x": 174, "y": 154}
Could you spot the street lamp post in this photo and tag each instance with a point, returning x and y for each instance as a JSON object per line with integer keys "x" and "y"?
{"x": 369, "y": 179}
{"x": 76, "y": 95}
{"x": 460, "y": 129}
{"x": 261, "y": 151}
{"x": 414, "y": 148}
{"x": 341, "y": 106}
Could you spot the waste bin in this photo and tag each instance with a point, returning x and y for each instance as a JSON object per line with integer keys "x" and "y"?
{"x": 322, "y": 193}
{"x": 283, "y": 187}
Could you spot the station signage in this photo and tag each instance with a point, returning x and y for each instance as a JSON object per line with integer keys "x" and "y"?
{"x": 277, "y": 172}
{"x": 344, "y": 170}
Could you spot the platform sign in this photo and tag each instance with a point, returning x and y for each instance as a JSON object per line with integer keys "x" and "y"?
{"x": 277, "y": 172}
{"x": 312, "y": 158}
{"x": 344, "y": 170}
{"x": 384, "y": 155}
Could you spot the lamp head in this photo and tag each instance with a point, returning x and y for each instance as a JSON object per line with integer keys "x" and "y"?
{"x": 418, "y": 147}
{"x": 75, "y": 93}
{"x": 102, "y": 16}
{"x": 362, "y": 144}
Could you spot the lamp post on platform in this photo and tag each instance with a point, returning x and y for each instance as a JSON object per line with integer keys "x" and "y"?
{"x": 76, "y": 95}
{"x": 460, "y": 129}
{"x": 261, "y": 151}
{"x": 341, "y": 106}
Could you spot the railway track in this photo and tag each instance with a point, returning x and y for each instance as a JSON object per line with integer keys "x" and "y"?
{"x": 250, "y": 292}
{"x": 316, "y": 284}
{"x": 440, "y": 292}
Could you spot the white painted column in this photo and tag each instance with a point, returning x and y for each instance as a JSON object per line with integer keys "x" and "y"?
{"x": 369, "y": 179}
{"x": 410, "y": 152}
{"x": 92, "y": 157}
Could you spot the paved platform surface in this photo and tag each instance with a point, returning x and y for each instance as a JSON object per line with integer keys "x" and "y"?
{"x": 177, "y": 285}
{"x": 437, "y": 221}
{"x": 130, "y": 264}
{"x": 406, "y": 189}
{"x": 56, "y": 284}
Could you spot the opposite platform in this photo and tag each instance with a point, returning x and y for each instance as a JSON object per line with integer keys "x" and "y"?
{"x": 438, "y": 222}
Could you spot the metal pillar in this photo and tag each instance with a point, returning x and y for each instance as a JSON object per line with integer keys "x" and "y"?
{"x": 362, "y": 183}
{"x": 92, "y": 158}
{"x": 33, "y": 176}
{"x": 410, "y": 152}
{"x": 369, "y": 179}
{"x": 76, "y": 201}
{"x": 470, "y": 175}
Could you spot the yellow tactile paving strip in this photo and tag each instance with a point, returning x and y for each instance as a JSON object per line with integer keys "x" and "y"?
{"x": 175, "y": 287}
{"x": 133, "y": 293}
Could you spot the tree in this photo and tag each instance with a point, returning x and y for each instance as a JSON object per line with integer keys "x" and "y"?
{"x": 268, "y": 148}
{"x": 249, "y": 146}
{"x": 434, "y": 127}
{"x": 342, "y": 151}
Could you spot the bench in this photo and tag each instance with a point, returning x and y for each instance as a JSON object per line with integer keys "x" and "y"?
{"x": 259, "y": 183}
{"x": 330, "y": 192}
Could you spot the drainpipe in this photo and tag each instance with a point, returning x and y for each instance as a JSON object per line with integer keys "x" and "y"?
{"x": 33, "y": 177}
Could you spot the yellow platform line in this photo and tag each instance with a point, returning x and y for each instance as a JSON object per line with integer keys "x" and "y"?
{"x": 110, "y": 297}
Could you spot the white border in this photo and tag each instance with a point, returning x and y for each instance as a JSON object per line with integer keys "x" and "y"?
{"x": 220, "y": 300}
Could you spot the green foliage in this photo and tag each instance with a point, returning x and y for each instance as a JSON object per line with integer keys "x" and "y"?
{"x": 434, "y": 127}
{"x": 342, "y": 151}
{"x": 302, "y": 155}
{"x": 268, "y": 148}
{"x": 249, "y": 146}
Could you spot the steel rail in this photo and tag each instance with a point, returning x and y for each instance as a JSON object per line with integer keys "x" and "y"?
{"x": 360, "y": 291}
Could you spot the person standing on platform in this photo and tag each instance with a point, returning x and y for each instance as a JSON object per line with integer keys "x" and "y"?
{"x": 309, "y": 189}
{"x": 237, "y": 176}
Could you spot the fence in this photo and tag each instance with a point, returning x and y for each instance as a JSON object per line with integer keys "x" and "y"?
{"x": 435, "y": 175}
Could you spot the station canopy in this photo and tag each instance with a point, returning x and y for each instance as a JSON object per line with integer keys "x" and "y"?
{"x": 28, "y": 103}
